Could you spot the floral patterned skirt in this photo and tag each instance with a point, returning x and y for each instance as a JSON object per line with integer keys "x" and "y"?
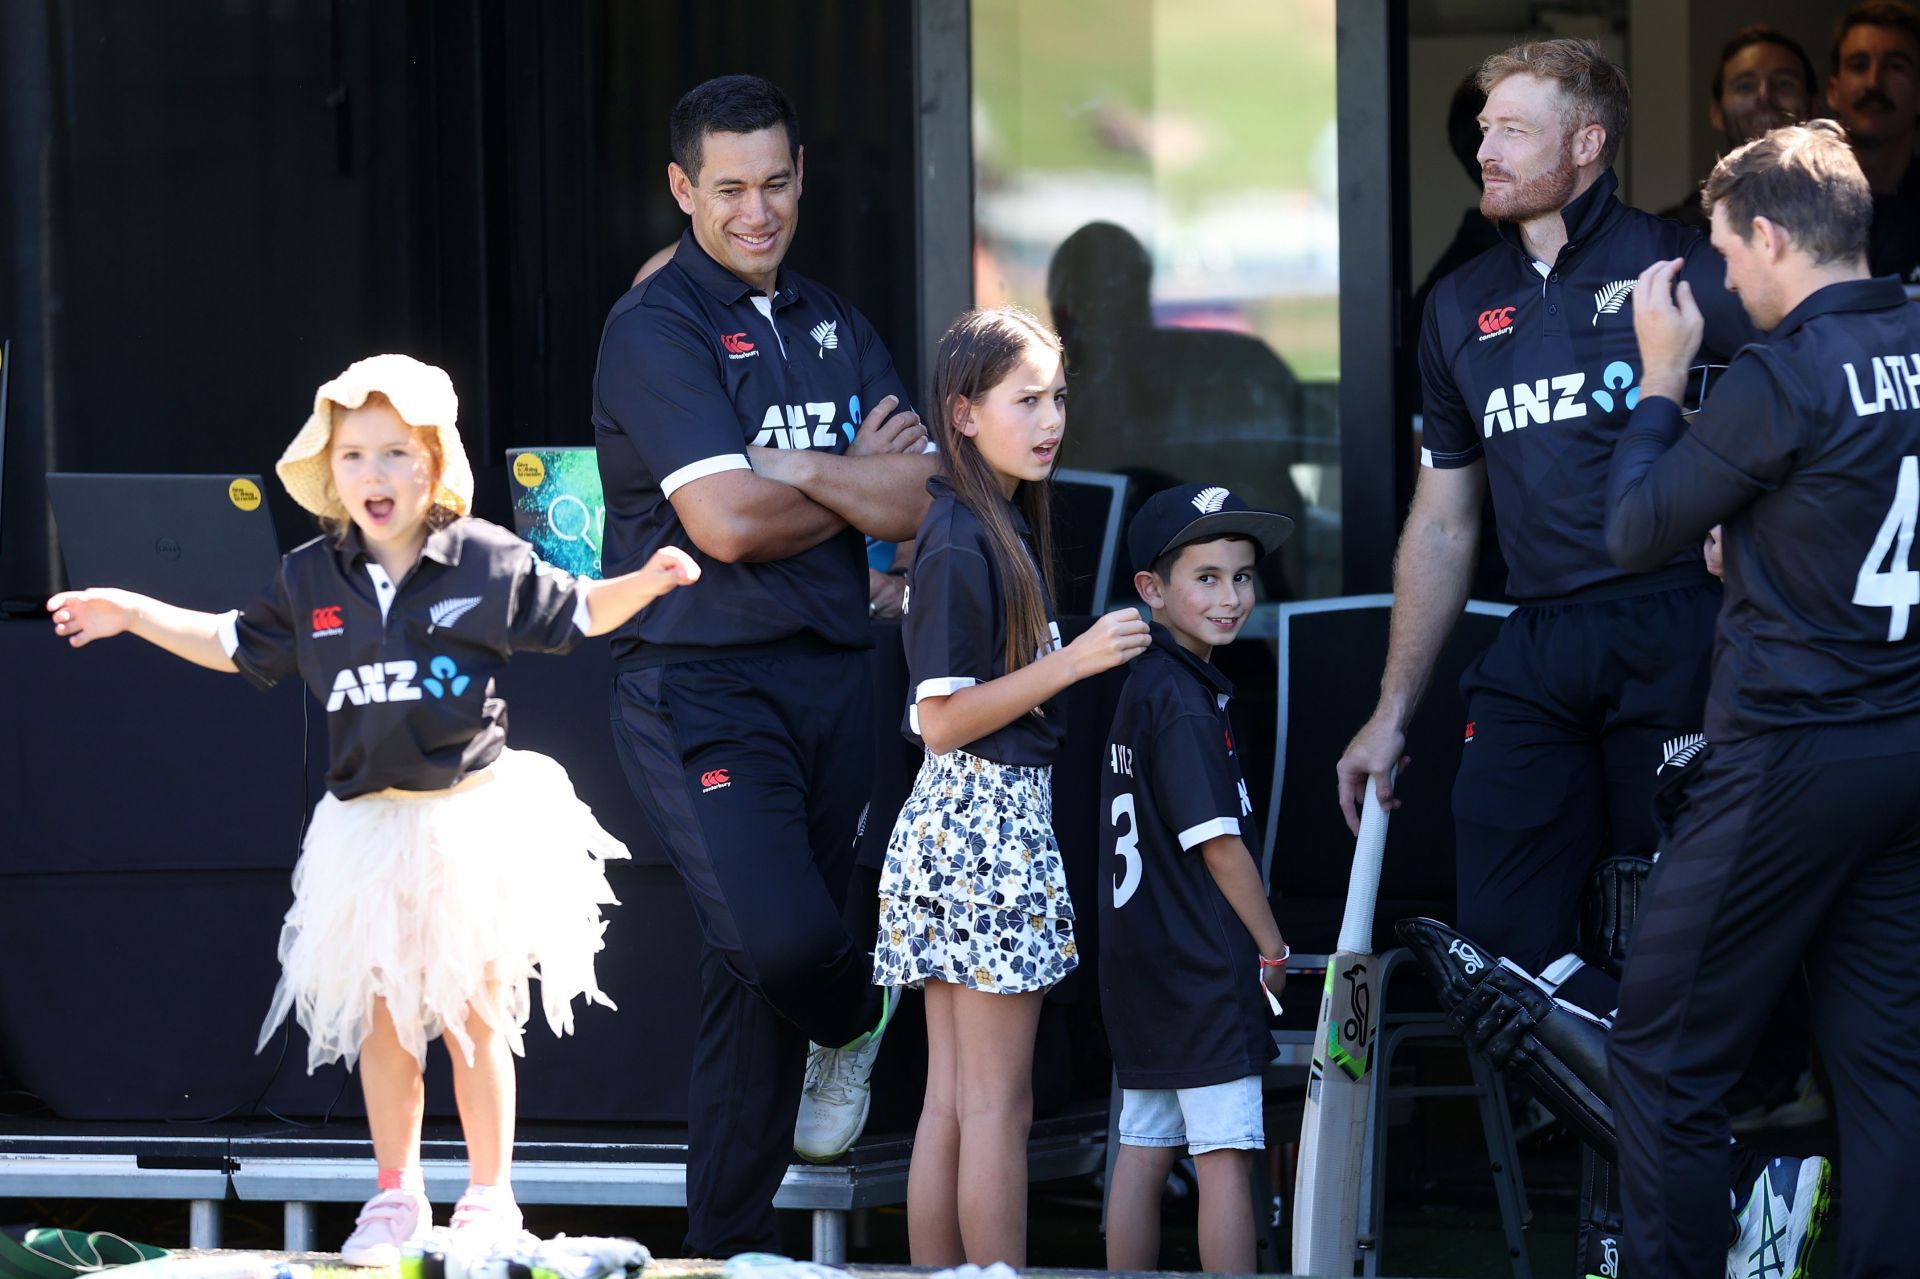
{"x": 972, "y": 892}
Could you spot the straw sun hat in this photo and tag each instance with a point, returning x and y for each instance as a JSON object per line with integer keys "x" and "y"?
{"x": 423, "y": 397}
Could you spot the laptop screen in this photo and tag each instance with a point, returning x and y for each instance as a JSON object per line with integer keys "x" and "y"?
{"x": 557, "y": 505}
{"x": 199, "y": 541}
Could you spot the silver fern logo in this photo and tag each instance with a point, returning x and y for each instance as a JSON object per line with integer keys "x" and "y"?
{"x": 447, "y": 612}
{"x": 1209, "y": 500}
{"x": 1681, "y": 751}
{"x": 825, "y": 334}
{"x": 1609, "y": 300}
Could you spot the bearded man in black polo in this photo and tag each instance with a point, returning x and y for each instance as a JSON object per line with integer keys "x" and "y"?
{"x": 1598, "y": 680}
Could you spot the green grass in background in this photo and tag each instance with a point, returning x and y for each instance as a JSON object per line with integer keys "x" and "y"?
{"x": 1258, "y": 78}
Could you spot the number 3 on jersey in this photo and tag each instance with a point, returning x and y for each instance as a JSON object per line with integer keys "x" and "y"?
{"x": 1127, "y": 845}
{"x": 1898, "y": 587}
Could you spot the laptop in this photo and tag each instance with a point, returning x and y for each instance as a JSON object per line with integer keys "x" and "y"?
{"x": 199, "y": 541}
{"x": 557, "y": 505}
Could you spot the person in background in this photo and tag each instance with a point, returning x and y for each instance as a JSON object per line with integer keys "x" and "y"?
{"x": 1875, "y": 95}
{"x": 1764, "y": 80}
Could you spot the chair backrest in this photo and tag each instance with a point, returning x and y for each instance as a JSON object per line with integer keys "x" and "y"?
{"x": 1331, "y": 653}
{"x": 1087, "y": 507}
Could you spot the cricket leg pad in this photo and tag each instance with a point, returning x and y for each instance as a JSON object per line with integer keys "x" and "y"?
{"x": 1600, "y": 1239}
{"x": 1451, "y": 960}
{"x": 1612, "y": 907}
{"x": 1552, "y": 1049}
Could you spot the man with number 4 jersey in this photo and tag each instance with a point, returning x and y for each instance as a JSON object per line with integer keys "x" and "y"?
{"x": 1187, "y": 938}
{"x": 1799, "y": 836}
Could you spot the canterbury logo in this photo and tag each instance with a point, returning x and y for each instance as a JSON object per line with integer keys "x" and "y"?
{"x": 1609, "y": 300}
{"x": 1497, "y": 319}
{"x": 736, "y": 343}
{"x": 714, "y": 779}
{"x": 1208, "y": 501}
{"x": 447, "y": 612}
{"x": 824, "y": 333}
{"x": 1681, "y": 751}
{"x": 327, "y": 621}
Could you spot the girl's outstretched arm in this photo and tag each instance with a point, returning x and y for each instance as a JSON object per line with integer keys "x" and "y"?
{"x": 616, "y": 599}
{"x": 98, "y": 612}
{"x": 970, "y": 713}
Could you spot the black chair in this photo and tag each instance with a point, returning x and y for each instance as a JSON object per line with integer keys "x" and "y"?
{"x": 1331, "y": 653}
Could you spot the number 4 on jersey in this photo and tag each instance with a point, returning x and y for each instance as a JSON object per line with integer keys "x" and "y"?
{"x": 1898, "y": 587}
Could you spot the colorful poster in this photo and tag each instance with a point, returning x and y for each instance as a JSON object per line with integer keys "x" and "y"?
{"x": 557, "y": 506}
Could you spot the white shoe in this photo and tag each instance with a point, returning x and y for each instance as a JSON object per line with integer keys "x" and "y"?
{"x": 486, "y": 1219}
{"x": 390, "y": 1220}
{"x": 839, "y": 1092}
{"x": 1781, "y": 1220}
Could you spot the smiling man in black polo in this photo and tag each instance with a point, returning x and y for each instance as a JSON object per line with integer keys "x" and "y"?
{"x": 748, "y": 415}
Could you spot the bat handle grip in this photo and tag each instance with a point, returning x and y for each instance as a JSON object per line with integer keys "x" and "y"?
{"x": 1363, "y": 885}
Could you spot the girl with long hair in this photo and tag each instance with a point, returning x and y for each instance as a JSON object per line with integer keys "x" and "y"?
{"x": 973, "y": 901}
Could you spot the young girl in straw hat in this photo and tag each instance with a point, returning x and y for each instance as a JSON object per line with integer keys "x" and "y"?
{"x": 441, "y": 870}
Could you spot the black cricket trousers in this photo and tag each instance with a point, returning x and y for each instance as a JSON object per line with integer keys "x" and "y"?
{"x": 1571, "y": 712}
{"x": 1800, "y": 844}
{"x": 753, "y": 770}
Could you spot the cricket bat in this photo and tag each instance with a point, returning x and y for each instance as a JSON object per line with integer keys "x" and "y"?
{"x": 1326, "y": 1189}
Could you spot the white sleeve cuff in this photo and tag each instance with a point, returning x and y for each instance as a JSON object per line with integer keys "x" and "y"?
{"x": 704, "y": 467}
{"x": 943, "y": 687}
{"x": 228, "y": 632}
{"x": 582, "y": 614}
{"x": 1194, "y": 836}
{"x": 1426, "y": 459}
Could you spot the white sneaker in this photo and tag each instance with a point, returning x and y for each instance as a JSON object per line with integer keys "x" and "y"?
{"x": 1781, "y": 1220}
{"x": 485, "y": 1219}
{"x": 839, "y": 1091}
{"x": 390, "y": 1220}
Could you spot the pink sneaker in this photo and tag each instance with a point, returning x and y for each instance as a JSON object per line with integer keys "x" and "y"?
{"x": 485, "y": 1218}
{"x": 391, "y": 1220}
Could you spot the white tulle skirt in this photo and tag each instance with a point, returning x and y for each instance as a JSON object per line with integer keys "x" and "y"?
{"x": 444, "y": 904}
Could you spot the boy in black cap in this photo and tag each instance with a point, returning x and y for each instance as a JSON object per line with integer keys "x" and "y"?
{"x": 1188, "y": 945}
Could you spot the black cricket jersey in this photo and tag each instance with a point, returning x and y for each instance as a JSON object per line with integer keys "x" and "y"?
{"x": 1808, "y": 453}
{"x": 1179, "y": 973}
{"x": 1538, "y": 372}
{"x": 691, "y": 371}
{"x": 405, "y": 669}
{"x": 955, "y": 628}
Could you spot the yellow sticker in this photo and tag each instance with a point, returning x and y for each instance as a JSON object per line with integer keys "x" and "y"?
{"x": 529, "y": 470}
{"x": 244, "y": 494}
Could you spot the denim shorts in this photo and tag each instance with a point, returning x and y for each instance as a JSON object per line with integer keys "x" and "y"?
{"x": 1217, "y": 1117}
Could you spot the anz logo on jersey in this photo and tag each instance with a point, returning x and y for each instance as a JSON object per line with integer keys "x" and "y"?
{"x": 375, "y": 682}
{"x": 814, "y": 425}
{"x": 1558, "y": 399}
{"x": 394, "y": 682}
